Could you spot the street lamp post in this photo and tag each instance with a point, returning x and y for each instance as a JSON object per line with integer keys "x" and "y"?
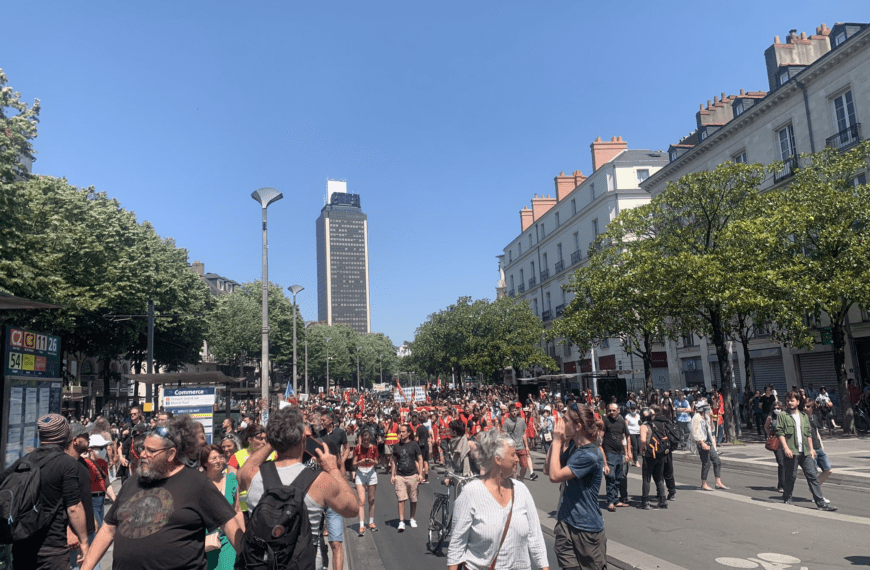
{"x": 265, "y": 196}
{"x": 306, "y": 359}
{"x": 382, "y": 367}
{"x": 295, "y": 289}
{"x": 327, "y": 363}
{"x": 357, "y": 368}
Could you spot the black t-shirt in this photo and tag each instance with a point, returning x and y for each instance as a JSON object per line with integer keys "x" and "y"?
{"x": 767, "y": 403}
{"x": 59, "y": 479}
{"x": 422, "y": 435}
{"x": 406, "y": 455}
{"x": 614, "y": 431}
{"x": 87, "y": 501}
{"x": 162, "y": 525}
{"x": 338, "y": 437}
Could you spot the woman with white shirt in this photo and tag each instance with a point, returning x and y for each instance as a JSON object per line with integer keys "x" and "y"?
{"x": 632, "y": 418}
{"x": 491, "y": 505}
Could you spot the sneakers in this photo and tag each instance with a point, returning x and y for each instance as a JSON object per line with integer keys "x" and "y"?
{"x": 788, "y": 502}
{"x": 672, "y": 497}
{"x": 827, "y": 507}
{"x": 413, "y": 523}
{"x": 401, "y": 526}
{"x": 533, "y": 477}
{"x": 645, "y": 506}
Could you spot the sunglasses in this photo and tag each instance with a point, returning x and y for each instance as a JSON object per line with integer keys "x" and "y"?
{"x": 162, "y": 432}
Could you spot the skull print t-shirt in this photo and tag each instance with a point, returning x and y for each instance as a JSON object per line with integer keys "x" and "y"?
{"x": 162, "y": 524}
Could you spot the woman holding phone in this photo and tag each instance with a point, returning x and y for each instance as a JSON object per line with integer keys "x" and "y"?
{"x": 365, "y": 459}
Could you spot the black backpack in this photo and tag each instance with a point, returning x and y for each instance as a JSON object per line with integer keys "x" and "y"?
{"x": 22, "y": 513}
{"x": 278, "y": 535}
{"x": 663, "y": 438}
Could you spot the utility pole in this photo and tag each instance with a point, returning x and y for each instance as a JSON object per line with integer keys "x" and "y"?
{"x": 357, "y": 368}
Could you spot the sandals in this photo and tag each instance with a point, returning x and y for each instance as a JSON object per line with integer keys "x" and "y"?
{"x": 373, "y": 527}
{"x": 611, "y": 508}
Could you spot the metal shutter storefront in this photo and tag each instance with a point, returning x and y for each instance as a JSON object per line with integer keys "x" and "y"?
{"x": 818, "y": 369}
{"x": 738, "y": 373}
{"x": 770, "y": 371}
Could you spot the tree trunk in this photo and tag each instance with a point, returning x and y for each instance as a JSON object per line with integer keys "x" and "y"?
{"x": 646, "y": 356}
{"x": 747, "y": 367}
{"x": 838, "y": 341}
{"x": 724, "y": 372}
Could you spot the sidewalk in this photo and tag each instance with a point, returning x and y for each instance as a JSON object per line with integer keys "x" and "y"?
{"x": 849, "y": 457}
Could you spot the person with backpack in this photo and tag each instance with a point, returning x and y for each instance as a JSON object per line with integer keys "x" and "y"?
{"x": 288, "y": 485}
{"x": 39, "y": 494}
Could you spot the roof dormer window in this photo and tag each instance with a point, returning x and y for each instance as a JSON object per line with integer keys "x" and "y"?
{"x": 841, "y": 37}
{"x": 672, "y": 155}
{"x": 782, "y": 79}
{"x": 703, "y": 134}
{"x": 738, "y": 109}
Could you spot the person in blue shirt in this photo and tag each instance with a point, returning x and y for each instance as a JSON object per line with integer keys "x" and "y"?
{"x": 682, "y": 407}
{"x": 580, "y": 538}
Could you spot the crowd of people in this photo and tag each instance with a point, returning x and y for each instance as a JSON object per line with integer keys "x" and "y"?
{"x": 186, "y": 503}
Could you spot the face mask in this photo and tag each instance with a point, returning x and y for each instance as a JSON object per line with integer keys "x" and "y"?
{"x": 777, "y": 412}
{"x": 243, "y": 425}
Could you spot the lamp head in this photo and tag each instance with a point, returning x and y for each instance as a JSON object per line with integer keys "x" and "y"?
{"x": 295, "y": 289}
{"x": 266, "y": 196}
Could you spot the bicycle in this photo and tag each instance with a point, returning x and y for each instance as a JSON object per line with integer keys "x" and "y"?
{"x": 862, "y": 422}
{"x": 441, "y": 517}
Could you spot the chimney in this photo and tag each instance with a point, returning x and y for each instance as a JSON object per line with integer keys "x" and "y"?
{"x": 605, "y": 151}
{"x": 578, "y": 178}
{"x": 541, "y": 205}
{"x": 527, "y": 218}
{"x": 566, "y": 184}
{"x": 198, "y": 268}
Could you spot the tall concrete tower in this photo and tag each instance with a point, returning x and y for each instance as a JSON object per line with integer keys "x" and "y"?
{"x": 343, "y": 260}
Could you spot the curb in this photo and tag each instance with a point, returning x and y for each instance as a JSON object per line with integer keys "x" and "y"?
{"x": 750, "y": 465}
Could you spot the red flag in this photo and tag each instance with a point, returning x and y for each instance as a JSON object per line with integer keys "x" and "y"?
{"x": 347, "y": 396}
{"x": 362, "y": 405}
{"x": 402, "y": 392}
{"x": 439, "y": 382}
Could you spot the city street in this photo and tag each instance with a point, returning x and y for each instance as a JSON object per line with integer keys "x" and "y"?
{"x": 745, "y": 527}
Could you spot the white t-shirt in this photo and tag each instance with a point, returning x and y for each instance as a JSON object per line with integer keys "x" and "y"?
{"x": 796, "y": 416}
{"x": 633, "y": 421}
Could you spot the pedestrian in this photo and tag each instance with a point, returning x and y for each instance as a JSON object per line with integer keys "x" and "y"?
{"x": 758, "y": 412}
{"x": 101, "y": 486}
{"x": 794, "y": 432}
{"x": 823, "y": 464}
{"x": 703, "y": 435}
{"x": 653, "y": 459}
{"x": 422, "y": 434}
{"x": 458, "y": 458}
{"x": 547, "y": 429}
{"x": 365, "y": 459}
{"x": 230, "y": 444}
{"x": 330, "y": 433}
{"x": 219, "y": 552}
{"x": 633, "y": 419}
{"x": 163, "y": 511}
{"x": 286, "y": 438}
{"x": 406, "y": 473}
{"x": 77, "y": 448}
{"x": 495, "y": 520}
{"x": 770, "y": 430}
{"x": 684, "y": 420}
{"x": 515, "y": 427}
{"x": 59, "y": 489}
{"x": 826, "y": 409}
{"x": 580, "y": 538}
{"x": 617, "y": 452}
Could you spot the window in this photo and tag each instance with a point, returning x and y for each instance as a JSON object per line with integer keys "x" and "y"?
{"x": 535, "y": 306}
{"x": 786, "y": 143}
{"x": 642, "y": 175}
{"x": 841, "y": 37}
{"x": 573, "y": 206}
{"x": 782, "y": 78}
{"x": 533, "y": 268}
{"x": 595, "y": 227}
{"x": 557, "y": 219}
{"x": 559, "y": 251}
{"x": 740, "y": 158}
{"x": 522, "y": 277}
{"x": 605, "y": 343}
{"x": 673, "y": 155}
{"x": 510, "y": 256}
{"x": 512, "y": 282}
{"x": 563, "y": 296}
{"x": 592, "y": 191}
{"x": 703, "y": 134}
{"x": 688, "y": 339}
{"x": 576, "y": 241}
{"x": 549, "y": 308}
{"x": 738, "y": 109}
{"x": 543, "y": 232}
{"x": 530, "y": 241}
{"x": 520, "y": 248}
{"x": 544, "y": 265}
{"x": 844, "y": 110}
{"x": 860, "y": 180}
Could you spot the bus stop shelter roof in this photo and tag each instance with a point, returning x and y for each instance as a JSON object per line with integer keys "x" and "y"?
{"x": 186, "y": 378}
{"x": 8, "y": 301}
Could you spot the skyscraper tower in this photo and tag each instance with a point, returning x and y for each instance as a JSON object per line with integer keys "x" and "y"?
{"x": 343, "y": 260}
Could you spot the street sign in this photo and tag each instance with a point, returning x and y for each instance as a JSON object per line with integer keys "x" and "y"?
{"x": 198, "y": 403}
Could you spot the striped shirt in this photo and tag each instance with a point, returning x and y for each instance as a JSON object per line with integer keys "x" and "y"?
{"x": 478, "y": 524}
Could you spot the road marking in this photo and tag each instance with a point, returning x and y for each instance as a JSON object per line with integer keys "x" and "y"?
{"x": 637, "y": 559}
{"x": 772, "y": 505}
{"x": 767, "y": 560}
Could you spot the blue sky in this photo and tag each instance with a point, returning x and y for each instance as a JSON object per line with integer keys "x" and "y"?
{"x": 445, "y": 117}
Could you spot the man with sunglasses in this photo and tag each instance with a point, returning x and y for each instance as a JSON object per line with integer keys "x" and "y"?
{"x": 163, "y": 512}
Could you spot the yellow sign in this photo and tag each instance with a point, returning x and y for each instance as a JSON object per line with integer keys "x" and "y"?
{"x": 148, "y": 407}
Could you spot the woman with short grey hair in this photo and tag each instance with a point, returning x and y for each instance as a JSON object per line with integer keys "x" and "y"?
{"x": 495, "y": 522}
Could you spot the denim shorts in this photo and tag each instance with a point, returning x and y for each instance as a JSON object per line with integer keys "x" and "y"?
{"x": 822, "y": 461}
{"x": 334, "y": 525}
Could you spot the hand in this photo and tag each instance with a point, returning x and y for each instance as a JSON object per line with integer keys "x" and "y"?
{"x": 327, "y": 460}
{"x": 83, "y": 552}
{"x": 559, "y": 430}
{"x": 606, "y": 468}
{"x": 813, "y": 454}
{"x": 787, "y": 451}
{"x": 392, "y": 479}
{"x": 705, "y": 447}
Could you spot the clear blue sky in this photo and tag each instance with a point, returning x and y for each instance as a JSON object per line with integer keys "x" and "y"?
{"x": 446, "y": 117}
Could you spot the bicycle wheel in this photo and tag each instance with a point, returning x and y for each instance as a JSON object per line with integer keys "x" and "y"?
{"x": 862, "y": 424}
{"x": 437, "y": 531}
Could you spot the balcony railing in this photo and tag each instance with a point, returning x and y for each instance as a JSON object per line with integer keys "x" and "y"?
{"x": 521, "y": 288}
{"x": 546, "y": 316}
{"x": 559, "y": 309}
{"x": 846, "y": 138}
{"x": 560, "y": 265}
{"x": 545, "y": 274}
{"x": 511, "y": 293}
{"x": 532, "y": 282}
{"x": 788, "y": 169}
{"x": 576, "y": 257}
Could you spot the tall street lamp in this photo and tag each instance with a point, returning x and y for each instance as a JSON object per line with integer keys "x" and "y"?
{"x": 265, "y": 196}
{"x": 306, "y": 358}
{"x": 295, "y": 289}
{"x": 382, "y": 368}
{"x": 327, "y": 363}
{"x": 357, "y": 368}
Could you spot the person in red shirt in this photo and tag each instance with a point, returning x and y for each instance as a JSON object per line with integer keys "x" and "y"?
{"x": 365, "y": 459}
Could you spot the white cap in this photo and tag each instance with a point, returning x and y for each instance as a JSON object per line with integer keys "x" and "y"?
{"x": 98, "y": 441}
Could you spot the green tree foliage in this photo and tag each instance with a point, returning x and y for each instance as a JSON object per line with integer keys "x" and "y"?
{"x": 17, "y": 129}
{"x": 343, "y": 356}
{"x": 822, "y": 223}
{"x": 480, "y": 337}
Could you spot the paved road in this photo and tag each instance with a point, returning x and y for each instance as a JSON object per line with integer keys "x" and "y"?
{"x": 746, "y": 527}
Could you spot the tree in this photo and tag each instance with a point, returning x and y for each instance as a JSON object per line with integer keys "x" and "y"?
{"x": 822, "y": 220}
{"x": 17, "y": 129}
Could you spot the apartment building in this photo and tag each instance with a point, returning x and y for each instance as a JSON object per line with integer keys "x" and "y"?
{"x": 556, "y": 233}
{"x": 819, "y": 95}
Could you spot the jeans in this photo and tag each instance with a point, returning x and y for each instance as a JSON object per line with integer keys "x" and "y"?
{"x": 614, "y": 477}
{"x": 653, "y": 468}
{"x": 809, "y": 468}
{"x": 684, "y": 428}
{"x": 334, "y": 526}
{"x": 720, "y": 434}
{"x": 668, "y": 474}
{"x": 780, "y": 468}
{"x": 822, "y": 462}
{"x": 99, "y": 509}
{"x": 623, "y": 485}
{"x": 709, "y": 456}
{"x": 74, "y": 555}
{"x": 759, "y": 422}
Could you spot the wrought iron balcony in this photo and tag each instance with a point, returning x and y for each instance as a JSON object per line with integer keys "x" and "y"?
{"x": 846, "y": 138}
{"x": 532, "y": 282}
{"x": 545, "y": 274}
{"x": 560, "y": 265}
{"x": 559, "y": 309}
{"x": 576, "y": 257}
{"x": 788, "y": 169}
{"x": 521, "y": 288}
{"x": 546, "y": 316}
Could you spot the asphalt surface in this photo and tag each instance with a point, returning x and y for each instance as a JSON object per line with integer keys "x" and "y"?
{"x": 744, "y": 527}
